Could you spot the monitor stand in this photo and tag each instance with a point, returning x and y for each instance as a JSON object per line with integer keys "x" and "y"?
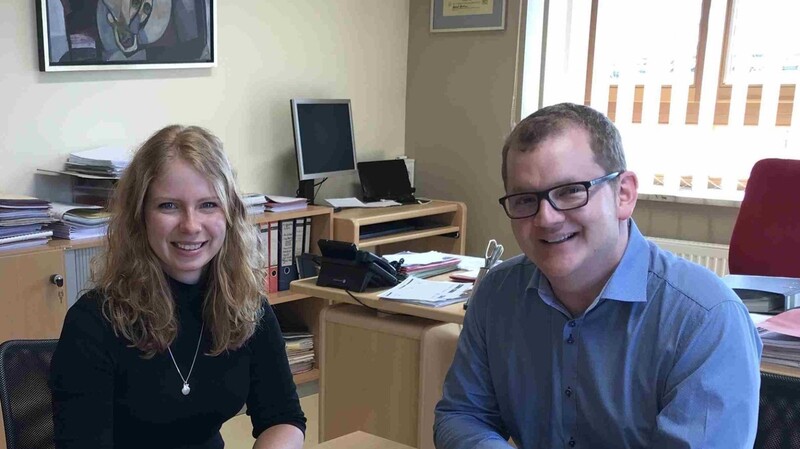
{"x": 306, "y": 190}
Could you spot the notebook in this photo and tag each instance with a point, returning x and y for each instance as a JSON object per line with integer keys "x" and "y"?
{"x": 386, "y": 180}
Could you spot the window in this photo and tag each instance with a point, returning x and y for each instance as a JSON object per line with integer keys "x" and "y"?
{"x": 700, "y": 89}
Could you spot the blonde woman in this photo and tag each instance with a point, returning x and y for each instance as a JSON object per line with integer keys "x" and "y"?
{"x": 177, "y": 336}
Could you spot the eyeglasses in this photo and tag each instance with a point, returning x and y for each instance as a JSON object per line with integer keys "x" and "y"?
{"x": 562, "y": 197}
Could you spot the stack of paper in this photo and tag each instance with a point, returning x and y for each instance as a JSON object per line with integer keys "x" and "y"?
{"x": 21, "y": 221}
{"x": 355, "y": 202}
{"x": 300, "y": 351}
{"x": 781, "y": 337}
{"x": 424, "y": 265}
{"x": 79, "y": 221}
{"x": 255, "y": 203}
{"x": 104, "y": 161}
{"x": 428, "y": 293}
{"x": 276, "y": 203}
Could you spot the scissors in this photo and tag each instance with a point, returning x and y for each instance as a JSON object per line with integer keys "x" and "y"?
{"x": 493, "y": 252}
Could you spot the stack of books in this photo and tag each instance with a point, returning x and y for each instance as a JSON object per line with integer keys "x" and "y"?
{"x": 78, "y": 221}
{"x": 276, "y": 203}
{"x": 780, "y": 335}
{"x": 22, "y": 219}
{"x": 300, "y": 351}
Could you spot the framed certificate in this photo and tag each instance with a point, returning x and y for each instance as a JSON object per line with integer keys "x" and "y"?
{"x": 467, "y": 15}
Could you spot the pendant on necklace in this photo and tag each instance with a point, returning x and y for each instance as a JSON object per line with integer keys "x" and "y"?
{"x": 185, "y": 390}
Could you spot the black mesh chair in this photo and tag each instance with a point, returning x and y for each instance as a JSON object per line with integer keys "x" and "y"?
{"x": 778, "y": 413}
{"x": 25, "y": 393}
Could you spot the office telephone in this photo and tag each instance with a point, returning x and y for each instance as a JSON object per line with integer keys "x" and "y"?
{"x": 343, "y": 265}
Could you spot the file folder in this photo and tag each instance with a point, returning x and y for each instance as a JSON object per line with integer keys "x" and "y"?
{"x": 307, "y": 236}
{"x": 287, "y": 270}
{"x": 272, "y": 269}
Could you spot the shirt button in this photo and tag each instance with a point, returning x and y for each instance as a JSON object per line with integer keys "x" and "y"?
{"x": 571, "y": 442}
{"x": 568, "y": 391}
{"x": 570, "y": 340}
{"x": 572, "y": 323}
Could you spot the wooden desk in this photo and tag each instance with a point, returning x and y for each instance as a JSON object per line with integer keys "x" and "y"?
{"x": 453, "y": 313}
{"x": 450, "y": 314}
{"x": 783, "y": 370}
{"x": 369, "y": 362}
{"x": 362, "y": 440}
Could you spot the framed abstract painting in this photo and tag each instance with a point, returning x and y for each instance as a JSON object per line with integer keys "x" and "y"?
{"x": 126, "y": 34}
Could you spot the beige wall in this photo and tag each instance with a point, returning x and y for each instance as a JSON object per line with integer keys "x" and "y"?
{"x": 269, "y": 52}
{"x": 459, "y": 110}
{"x": 712, "y": 224}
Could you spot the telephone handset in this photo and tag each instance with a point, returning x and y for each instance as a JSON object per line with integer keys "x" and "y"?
{"x": 343, "y": 265}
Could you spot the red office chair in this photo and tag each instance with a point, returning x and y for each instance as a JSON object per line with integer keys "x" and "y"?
{"x": 766, "y": 236}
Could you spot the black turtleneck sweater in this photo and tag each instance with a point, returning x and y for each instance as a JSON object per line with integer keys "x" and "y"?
{"x": 105, "y": 395}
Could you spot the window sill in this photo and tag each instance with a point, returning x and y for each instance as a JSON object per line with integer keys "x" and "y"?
{"x": 707, "y": 198}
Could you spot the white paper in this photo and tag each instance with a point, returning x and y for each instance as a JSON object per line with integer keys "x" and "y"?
{"x": 75, "y": 174}
{"x": 472, "y": 263}
{"x": 409, "y": 258}
{"x": 59, "y": 209}
{"x": 355, "y": 202}
{"x": 759, "y": 317}
{"x": 285, "y": 199}
{"x": 115, "y": 156}
{"x": 416, "y": 289}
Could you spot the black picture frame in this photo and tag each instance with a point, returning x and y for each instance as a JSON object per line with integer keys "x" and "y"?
{"x": 77, "y": 35}
{"x": 467, "y": 15}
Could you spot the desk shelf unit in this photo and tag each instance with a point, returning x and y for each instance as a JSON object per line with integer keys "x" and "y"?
{"x": 294, "y": 308}
{"x": 445, "y": 228}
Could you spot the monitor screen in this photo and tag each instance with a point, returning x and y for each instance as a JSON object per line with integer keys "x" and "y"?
{"x": 323, "y": 138}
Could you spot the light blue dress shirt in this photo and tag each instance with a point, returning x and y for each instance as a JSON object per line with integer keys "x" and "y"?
{"x": 666, "y": 357}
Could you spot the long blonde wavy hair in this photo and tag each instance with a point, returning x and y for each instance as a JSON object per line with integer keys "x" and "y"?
{"x": 138, "y": 301}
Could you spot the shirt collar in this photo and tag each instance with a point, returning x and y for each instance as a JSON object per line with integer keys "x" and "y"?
{"x": 627, "y": 283}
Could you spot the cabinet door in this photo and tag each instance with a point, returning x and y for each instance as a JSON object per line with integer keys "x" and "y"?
{"x": 31, "y": 306}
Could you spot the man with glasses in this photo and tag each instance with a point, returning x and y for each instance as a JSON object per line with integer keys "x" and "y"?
{"x": 594, "y": 337}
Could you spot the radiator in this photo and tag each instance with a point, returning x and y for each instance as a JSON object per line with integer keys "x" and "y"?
{"x": 78, "y": 265}
{"x": 710, "y": 255}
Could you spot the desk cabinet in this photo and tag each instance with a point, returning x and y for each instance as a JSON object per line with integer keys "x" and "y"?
{"x": 382, "y": 374}
{"x": 31, "y": 306}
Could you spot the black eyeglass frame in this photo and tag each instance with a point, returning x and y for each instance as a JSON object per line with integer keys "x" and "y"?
{"x": 545, "y": 194}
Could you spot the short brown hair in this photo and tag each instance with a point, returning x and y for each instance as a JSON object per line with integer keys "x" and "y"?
{"x": 137, "y": 298}
{"x": 604, "y": 138}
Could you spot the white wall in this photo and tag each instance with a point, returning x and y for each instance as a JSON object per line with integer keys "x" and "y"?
{"x": 269, "y": 52}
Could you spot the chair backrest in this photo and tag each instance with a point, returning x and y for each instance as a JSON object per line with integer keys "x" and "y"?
{"x": 778, "y": 413}
{"x": 766, "y": 236}
{"x": 25, "y": 393}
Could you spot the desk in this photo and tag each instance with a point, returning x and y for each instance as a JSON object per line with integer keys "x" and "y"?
{"x": 450, "y": 314}
{"x": 384, "y": 395}
{"x": 783, "y": 370}
{"x": 361, "y": 440}
{"x": 453, "y": 313}
{"x": 381, "y": 373}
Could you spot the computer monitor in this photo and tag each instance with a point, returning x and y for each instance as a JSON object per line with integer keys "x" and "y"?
{"x": 323, "y": 140}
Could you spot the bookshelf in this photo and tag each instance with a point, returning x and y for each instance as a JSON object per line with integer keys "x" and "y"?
{"x": 295, "y": 309}
{"x": 35, "y": 307}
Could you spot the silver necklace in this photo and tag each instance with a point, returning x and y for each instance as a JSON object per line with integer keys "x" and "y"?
{"x": 185, "y": 390}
